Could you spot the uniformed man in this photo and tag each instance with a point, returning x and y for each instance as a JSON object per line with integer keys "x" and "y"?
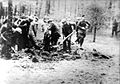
{"x": 114, "y": 27}
{"x": 34, "y": 25}
{"x": 25, "y": 25}
{"x": 47, "y": 41}
{"x": 66, "y": 30}
{"x": 54, "y": 32}
{"x": 82, "y": 25}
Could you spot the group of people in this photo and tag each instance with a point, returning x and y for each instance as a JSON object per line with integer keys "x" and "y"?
{"x": 68, "y": 28}
{"x": 20, "y": 35}
{"x": 23, "y": 32}
{"x": 52, "y": 34}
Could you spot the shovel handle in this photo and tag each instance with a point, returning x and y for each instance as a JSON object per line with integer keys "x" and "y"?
{"x": 68, "y": 36}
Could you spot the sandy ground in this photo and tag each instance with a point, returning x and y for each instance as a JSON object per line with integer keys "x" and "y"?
{"x": 80, "y": 71}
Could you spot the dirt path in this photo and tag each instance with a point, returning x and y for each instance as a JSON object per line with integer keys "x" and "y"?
{"x": 78, "y": 71}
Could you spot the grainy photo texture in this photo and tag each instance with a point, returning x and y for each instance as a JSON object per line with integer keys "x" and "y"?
{"x": 59, "y": 41}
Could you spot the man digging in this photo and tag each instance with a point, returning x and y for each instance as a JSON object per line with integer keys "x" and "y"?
{"x": 66, "y": 30}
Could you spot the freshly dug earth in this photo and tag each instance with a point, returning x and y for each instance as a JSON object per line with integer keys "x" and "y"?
{"x": 98, "y": 63}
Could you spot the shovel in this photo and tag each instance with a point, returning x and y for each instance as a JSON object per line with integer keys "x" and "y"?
{"x": 57, "y": 46}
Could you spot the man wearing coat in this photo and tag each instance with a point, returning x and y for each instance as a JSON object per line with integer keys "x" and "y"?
{"x": 82, "y": 25}
{"x": 66, "y": 30}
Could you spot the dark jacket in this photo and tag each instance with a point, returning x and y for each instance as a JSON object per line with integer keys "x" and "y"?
{"x": 53, "y": 28}
{"x": 25, "y": 28}
{"x": 115, "y": 25}
{"x": 83, "y": 23}
{"x": 66, "y": 29}
{"x": 54, "y": 31}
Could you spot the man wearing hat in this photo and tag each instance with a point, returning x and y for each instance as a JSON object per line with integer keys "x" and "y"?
{"x": 25, "y": 25}
{"x": 66, "y": 30}
{"x": 54, "y": 32}
{"x": 82, "y": 25}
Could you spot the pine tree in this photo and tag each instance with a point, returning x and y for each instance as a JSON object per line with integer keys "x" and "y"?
{"x": 10, "y": 10}
{"x": 6, "y": 50}
{"x": 40, "y": 8}
{"x": 47, "y": 11}
{"x": 36, "y": 9}
{"x": 96, "y": 18}
{"x": 1, "y": 10}
{"x": 15, "y": 10}
{"x": 30, "y": 10}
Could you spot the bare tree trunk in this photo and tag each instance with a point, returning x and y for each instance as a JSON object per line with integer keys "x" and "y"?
{"x": 78, "y": 9}
{"x": 6, "y": 11}
{"x": 1, "y": 10}
{"x": 30, "y": 10}
{"x": 36, "y": 9}
{"x": 7, "y": 45}
{"x": 47, "y": 11}
{"x": 119, "y": 4}
{"x": 15, "y": 10}
{"x": 23, "y": 8}
{"x": 20, "y": 12}
{"x": 94, "y": 35}
{"x": 82, "y": 9}
{"x": 91, "y": 28}
{"x": 9, "y": 13}
{"x": 53, "y": 7}
{"x": 49, "y": 7}
{"x": 40, "y": 7}
{"x": 95, "y": 22}
{"x": 111, "y": 16}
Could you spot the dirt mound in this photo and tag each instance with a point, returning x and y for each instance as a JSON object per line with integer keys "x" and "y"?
{"x": 38, "y": 55}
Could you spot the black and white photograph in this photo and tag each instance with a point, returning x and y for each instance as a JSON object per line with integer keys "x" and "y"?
{"x": 59, "y": 41}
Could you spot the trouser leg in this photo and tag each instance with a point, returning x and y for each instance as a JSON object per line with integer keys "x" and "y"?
{"x": 64, "y": 45}
{"x": 81, "y": 42}
{"x": 69, "y": 44}
{"x": 115, "y": 33}
{"x": 82, "y": 39}
{"x": 53, "y": 41}
{"x": 112, "y": 33}
{"x": 26, "y": 40}
{"x": 34, "y": 30}
{"x": 47, "y": 47}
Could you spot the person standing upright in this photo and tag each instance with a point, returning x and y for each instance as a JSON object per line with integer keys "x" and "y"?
{"x": 54, "y": 32}
{"x": 114, "y": 28}
{"x": 82, "y": 25}
{"x": 66, "y": 30}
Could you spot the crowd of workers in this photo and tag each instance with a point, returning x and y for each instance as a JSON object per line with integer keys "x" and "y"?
{"x": 23, "y": 33}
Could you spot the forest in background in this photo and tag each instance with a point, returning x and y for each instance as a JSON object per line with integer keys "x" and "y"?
{"x": 60, "y": 8}
{"x": 97, "y": 63}
{"x": 100, "y": 13}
